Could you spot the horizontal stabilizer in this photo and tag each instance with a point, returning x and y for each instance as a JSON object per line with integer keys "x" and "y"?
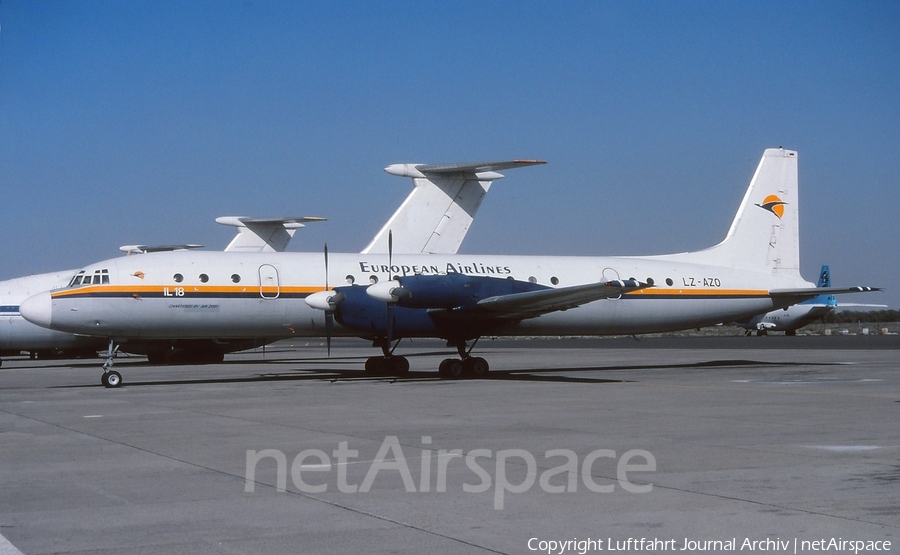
{"x": 535, "y": 303}
{"x": 143, "y": 249}
{"x": 810, "y": 292}
{"x": 419, "y": 170}
{"x": 241, "y": 221}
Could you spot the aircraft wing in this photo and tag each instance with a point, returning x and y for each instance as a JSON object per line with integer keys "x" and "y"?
{"x": 535, "y": 303}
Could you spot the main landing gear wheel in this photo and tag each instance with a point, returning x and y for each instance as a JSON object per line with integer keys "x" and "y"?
{"x": 451, "y": 369}
{"x": 476, "y": 367}
{"x": 387, "y": 366}
{"x": 111, "y": 379}
{"x": 470, "y": 367}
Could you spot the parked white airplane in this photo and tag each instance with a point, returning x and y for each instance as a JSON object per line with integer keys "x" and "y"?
{"x": 458, "y": 298}
{"x": 435, "y": 218}
{"x": 17, "y": 335}
{"x": 794, "y": 317}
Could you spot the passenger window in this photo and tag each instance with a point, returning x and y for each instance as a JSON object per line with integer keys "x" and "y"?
{"x": 204, "y": 278}
{"x": 235, "y": 278}
{"x": 178, "y": 278}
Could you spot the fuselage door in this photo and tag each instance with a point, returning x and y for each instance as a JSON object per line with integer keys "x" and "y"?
{"x": 269, "y": 286}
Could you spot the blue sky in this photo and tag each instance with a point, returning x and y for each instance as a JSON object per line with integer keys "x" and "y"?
{"x": 141, "y": 122}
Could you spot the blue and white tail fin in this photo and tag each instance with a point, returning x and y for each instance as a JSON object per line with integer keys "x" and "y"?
{"x": 765, "y": 233}
{"x": 824, "y": 281}
{"x": 824, "y": 277}
{"x": 437, "y": 214}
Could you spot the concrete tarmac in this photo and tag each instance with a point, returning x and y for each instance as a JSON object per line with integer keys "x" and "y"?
{"x": 609, "y": 445}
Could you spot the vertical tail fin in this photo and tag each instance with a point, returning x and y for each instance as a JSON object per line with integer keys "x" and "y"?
{"x": 824, "y": 281}
{"x": 263, "y": 234}
{"x": 437, "y": 214}
{"x": 824, "y": 277}
{"x": 765, "y": 233}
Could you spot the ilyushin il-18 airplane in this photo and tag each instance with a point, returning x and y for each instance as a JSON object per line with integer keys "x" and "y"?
{"x": 459, "y": 298}
{"x": 434, "y": 218}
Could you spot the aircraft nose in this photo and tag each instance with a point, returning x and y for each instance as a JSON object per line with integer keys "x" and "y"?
{"x": 37, "y": 309}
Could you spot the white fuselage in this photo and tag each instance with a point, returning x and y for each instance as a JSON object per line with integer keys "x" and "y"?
{"x": 18, "y": 334}
{"x": 214, "y": 295}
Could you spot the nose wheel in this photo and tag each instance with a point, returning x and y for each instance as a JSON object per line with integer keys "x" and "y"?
{"x": 110, "y": 377}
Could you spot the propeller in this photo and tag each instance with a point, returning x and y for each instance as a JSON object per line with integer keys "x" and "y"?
{"x": 326, "y": 301}
{"x": 390, "y": 305}
{"x": 329, "y": 314}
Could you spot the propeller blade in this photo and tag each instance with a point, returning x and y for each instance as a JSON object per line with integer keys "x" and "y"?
{"x": 390, "y": 254}
{"x": 390, "y": 323}
{"x": 389, "y": 306}
{"x": 326, "y": 266}
{"x": 329, "y": 328}
{"x": 329, "y": 315}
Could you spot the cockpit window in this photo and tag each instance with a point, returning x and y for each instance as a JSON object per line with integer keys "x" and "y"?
{"x": 77, "y": 279}
{"x": 98, "y": 277}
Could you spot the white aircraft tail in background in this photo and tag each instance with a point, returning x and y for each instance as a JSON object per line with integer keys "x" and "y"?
{"x": 263, "y": 234}
{"x": 437, "y": 214}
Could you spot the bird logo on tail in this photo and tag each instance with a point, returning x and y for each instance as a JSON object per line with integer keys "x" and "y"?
{"x": 773, "y": 204}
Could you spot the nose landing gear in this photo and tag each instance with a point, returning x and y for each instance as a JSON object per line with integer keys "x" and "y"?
{"x": 110, "y": 377}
